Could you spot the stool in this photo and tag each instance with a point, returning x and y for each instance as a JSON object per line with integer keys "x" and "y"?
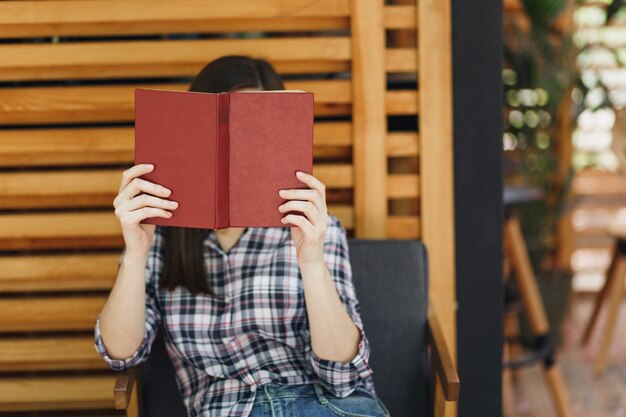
{"x": 517, "y": 259}
{"x": 613, "y": 290}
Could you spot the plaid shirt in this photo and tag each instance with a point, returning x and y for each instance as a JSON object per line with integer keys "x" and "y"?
{"x": 255, "y": 332}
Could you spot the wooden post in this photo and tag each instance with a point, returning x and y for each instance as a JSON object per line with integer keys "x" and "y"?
{"x": 369, "y": 119}
{"x": 436, "y": 160}
{"x": 565, "y": 230}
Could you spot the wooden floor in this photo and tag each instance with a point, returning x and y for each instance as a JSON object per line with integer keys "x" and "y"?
{"x": 590, "y": 395}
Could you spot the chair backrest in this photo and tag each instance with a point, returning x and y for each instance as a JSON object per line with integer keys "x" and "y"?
{"x": 391, "y": 280}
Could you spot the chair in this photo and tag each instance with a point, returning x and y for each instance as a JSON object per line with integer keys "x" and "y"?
{"x": 413, "y": 371}
{"x": 517, "y": 259}
{"x": 613, "y": 290}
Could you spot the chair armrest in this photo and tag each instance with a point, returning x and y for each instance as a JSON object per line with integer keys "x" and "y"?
{"x": 442, "y": 360}
{"x": 123, "y": 389}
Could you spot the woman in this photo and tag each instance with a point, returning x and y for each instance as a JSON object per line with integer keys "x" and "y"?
{"x": 256, "y": 319}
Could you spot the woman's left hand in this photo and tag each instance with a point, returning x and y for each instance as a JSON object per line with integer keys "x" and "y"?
{"x": 308, "y": 236}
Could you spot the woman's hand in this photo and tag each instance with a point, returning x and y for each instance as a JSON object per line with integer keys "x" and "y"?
{"x": 308, "y": 236}
{"x": 131, "y": 208}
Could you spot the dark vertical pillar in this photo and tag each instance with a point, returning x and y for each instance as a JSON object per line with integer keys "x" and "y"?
{"x": 477, "y": 86}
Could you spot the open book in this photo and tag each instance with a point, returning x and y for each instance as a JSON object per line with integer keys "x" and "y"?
{"x": 226, "y": 155}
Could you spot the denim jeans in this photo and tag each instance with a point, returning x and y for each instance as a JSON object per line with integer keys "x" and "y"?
{"x": 312, "y": 400}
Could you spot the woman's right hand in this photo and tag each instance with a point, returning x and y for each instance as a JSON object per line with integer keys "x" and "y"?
{"x": 131, "y": 208}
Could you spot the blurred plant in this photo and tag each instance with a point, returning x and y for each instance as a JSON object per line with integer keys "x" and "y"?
{"x": 600, "y": 44}
{"x": 539, "y": 75}
{"x": 614, "y": 7}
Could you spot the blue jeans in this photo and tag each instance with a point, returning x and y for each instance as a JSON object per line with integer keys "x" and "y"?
{"x": 312, "y": 400}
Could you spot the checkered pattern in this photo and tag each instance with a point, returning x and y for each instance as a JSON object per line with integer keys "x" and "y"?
{"x": 255, "y": 332}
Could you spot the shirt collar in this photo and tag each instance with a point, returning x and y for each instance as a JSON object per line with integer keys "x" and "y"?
{"x": 270, "y": 237}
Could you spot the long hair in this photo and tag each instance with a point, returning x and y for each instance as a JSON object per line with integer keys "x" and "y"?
{"x": 184, "y": 262}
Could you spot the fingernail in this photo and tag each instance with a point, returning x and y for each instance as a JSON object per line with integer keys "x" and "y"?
{"x": 300, "y": 173}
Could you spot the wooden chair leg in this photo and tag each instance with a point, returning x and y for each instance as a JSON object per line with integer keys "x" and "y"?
{"x": 556, "y": 383}
{"x": 616, "y": 293}
{"x": 600, "y": 298}
{"x": 525, "y": 277}
{"x": 439, "y": 400}
{"x": 133, "y": 406}
{"x": 535, "y": 311}
{"x": 508, "y": 397}
{"x": 514, "y": 346}
{"x": 127, "y": 392}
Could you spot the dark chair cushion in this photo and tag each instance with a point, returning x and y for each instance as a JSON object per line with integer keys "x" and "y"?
{"x": 391, "y": 282}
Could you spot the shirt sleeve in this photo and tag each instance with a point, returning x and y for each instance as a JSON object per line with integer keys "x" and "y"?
{"x": 341, "y": 379}
{"x": 153, "y": 314}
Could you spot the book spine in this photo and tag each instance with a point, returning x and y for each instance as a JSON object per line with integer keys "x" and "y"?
{"x": 223, "y": 161}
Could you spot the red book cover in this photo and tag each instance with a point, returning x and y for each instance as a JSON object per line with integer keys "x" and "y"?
{"x": 225, "y": 155}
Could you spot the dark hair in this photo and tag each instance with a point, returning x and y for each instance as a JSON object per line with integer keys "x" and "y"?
{"x": 184, "y": 262}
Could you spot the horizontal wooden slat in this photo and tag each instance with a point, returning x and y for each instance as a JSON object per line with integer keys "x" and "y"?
{"x": 56, "y": 393}
{"x": 116, "y": 145}
{"x": 345, "y": 213}
{"x": 598, "y": 184}
{"x": 99, "y": 229}
{"x": 403, "y": 227}
{"x": 50, "y": 313}
{"x": 402, "y": 144}
{"x": 91, "y": 60}
{"x": 98, "y": 188}
{"x": 49, "y": 354}
{"x": 401, "y": 60}
{"x": 104, "y": 17}
{"x": 95, "y": 188}
{"x": 73, "y": 230}
{"x": 41, "y": 105}
{"x": 400, "y": 17}
{"x": 332, "y": 140}
{"x": 334, "y": 175}
{"x": 332, "y": 134}
{"x": 403, "y": 186}
{"x": 52, "y": 272}
{"x": 581, "y": 241}
{"x": 79, "y": 146}
{"x": 402, "y": 102}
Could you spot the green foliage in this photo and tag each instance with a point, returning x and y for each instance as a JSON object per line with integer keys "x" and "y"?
{"x": 543, "y": 61}
{"x": 543, "y": 12}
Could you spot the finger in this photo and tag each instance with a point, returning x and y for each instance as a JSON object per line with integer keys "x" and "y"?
{"x": 132, "y": 172}
{"x": 300, "y": 221}
{"x": 307, "y": 195}
{"x": 131, "y": 218}
{"x": 306, "y": 207}
{"x": 313, "y": 182}
{"x": 152, "y": 201}
{"x": 138, "y": 185}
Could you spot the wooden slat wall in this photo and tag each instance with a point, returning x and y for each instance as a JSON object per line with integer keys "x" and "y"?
{"x": 67, "y": 78}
